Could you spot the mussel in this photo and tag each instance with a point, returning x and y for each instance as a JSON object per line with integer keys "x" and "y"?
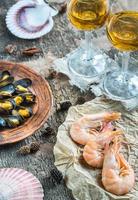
{"x": 13, "y": 121}
{"x": 28, "y": 98}
{"x": 2, "y": 123}
{"x": 23, "y": 112}
{"x": 7, "y": 106}
{"x": 6, "y": 81}
{"x": 22, "y": 85}
{"x": 25, "y": 82}
{"x": 24, "y": 99}
{"x": 4, "y": 75}
{"x": 18, "y": 100}
{"x": 7, "y": 91}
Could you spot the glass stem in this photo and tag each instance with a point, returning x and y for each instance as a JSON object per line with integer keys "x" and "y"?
{"x": 125, "y": 62}
{"x": 88, "y": 45}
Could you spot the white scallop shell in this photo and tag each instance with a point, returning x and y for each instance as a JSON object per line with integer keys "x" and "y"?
{"x": 18, "y": 184}
{"x": 27, "y": 30}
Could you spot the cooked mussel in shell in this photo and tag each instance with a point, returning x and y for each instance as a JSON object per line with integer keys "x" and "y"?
{"x": 18, "y": 100}
{"x": 4, "y": 75}
{"x": 23, "y": 112}
{"x": 25, "y": 82}
{"x": 28, "y": 98}
{"x": 13, "y": 121}
{"x": 6, "y": 81}
{"x": 22, "y": 85}
{"x": 7, "y": 106}
{"x": 24, "y": 99}
{"x": 7, "y": 91}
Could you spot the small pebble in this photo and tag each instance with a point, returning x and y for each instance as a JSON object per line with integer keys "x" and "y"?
{"x": 24, "y": 150}
{"x": 10, "y": 48}
{"x": 53, "y": 74}
{"x": 56, "y": 175}
{"x": 49, "y": 131}
{"x": 65, "y": 105}
{"x": 35, "y": 146}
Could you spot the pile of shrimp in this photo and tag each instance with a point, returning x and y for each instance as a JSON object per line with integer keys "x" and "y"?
{"x": 102, "y": 143}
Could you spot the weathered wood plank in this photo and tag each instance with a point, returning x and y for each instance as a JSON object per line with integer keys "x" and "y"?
{"x": 60, "y": 41}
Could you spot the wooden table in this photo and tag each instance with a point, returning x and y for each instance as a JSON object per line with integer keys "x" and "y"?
{"x": 60, "y": 41}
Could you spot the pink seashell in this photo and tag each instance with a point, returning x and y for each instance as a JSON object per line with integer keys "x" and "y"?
{"x": 18, "y": 184}
{"x": 29, "y": 20}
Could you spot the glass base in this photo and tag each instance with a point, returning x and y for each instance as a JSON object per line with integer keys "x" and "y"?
{"x": 121, "y": 86}
{"x": 87, "y": 66}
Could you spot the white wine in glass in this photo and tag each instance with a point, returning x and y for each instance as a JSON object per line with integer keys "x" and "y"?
{"x": 87, "y": 15}
{"x": 122, "y": 31}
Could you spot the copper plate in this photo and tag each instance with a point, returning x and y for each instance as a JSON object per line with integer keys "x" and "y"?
{"x": 41, "y": 109}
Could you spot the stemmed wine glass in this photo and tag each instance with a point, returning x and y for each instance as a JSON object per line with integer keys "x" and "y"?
{"x": 87, "y": 15}
{"x": 122, "y": 31}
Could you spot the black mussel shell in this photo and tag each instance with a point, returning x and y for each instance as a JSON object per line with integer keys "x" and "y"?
{"x": 6, "y": 106}
{"x": 23, "y": 112}
{"x": 2, "y": 123}
{"x": 26, "y": 82}
{"x": 18, "y": 100}
{"x": 13, "y": 103}
{"x": 28, "y": 98}
{"x": 6, "y": 81}
{"x": 4, "y": 75}
{"x": 7, "y": 90}
{"x": 13, "y": 121}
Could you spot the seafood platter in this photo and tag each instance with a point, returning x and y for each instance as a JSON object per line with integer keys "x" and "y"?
{"x": 30, "y": 19}
{"x": 25, "y": 102}
{"x": 98, "y": 155}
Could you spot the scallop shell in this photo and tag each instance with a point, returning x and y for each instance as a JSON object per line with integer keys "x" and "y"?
{"x": 25, "y": 21}
{"x": 18, "y": 184}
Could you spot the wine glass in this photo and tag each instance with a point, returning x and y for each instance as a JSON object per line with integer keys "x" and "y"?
{"x": 87, "y": 15}
{"x": 122, "y": 32}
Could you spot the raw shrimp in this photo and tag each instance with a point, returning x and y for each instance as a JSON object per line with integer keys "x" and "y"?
{"x": 117, "y": 175}
{"x": 93, "y": 152}
{"x": 85, "y": 128}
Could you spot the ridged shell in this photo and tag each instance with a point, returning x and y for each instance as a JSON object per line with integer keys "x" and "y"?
{"x": 20, "y": 30}
{"x": 18, "y": 184}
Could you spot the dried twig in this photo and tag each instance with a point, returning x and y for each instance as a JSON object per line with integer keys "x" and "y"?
{"x": 31, "y": 51}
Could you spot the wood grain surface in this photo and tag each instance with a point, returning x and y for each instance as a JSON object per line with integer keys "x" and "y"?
{"x": 41, "y": 109}
{"x": 60, "y": 41}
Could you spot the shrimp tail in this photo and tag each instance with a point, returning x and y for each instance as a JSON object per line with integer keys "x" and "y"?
{"x": 113, "y": 116}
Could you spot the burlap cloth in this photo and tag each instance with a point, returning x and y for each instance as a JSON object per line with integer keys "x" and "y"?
{"x": 84, "y": 181}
